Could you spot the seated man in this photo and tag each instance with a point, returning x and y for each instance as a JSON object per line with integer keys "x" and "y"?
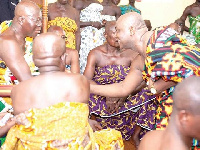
{"x": 184, "y": 123}
{"x": 59, "y": 104}
{"x": 108, "y": 64}
{"x": 72, "y": 59}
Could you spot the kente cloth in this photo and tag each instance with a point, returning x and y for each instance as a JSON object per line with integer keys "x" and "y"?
{"x": 128, "y": 8}
{"x": 70, "y": 28}
{"x": 195, "y": 27}
{"x": 91, "y": 37}
{"x": 138, "y": 109}
{"x": 6, "y": 76}
{"x": 67, "y": 129}
{"x": 108, "y": 139}
{"x": 171, "y": 58}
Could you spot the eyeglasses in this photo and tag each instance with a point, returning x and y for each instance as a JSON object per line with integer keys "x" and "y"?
{"x": 37, "y": 21}
{"x": 64, "y": 37}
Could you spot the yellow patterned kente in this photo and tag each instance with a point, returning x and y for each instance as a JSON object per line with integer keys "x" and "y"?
{"x": 69, "y": 26}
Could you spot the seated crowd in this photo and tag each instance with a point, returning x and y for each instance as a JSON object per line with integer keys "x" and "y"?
{"x": 97, "y": 78}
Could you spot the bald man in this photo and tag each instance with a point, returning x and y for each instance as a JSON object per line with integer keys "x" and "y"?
{"x": 184, "y": 123}
{"x": 49, "y": 56}
{"x": 165, "y": 59}
{"x": 59, "y": 110}
{"x": 72, "y": 59}
{"x": 27, "y": 22}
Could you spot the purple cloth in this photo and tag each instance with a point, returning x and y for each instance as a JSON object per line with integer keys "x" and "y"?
{"x": 137, "y": 110}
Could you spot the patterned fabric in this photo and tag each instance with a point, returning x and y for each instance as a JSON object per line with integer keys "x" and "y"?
{"x": 69, "y": 26}
{"x": 171, "y": 58}
{"x": 7, "y": 78}
{"x": 128, "y": 8}
{"x": 91, "y": 37}
{"x": 138, "y": 109}
{"x": 195, "y": 27}
{"x": 69, "y": 130}
{"x": 108, "y": 139}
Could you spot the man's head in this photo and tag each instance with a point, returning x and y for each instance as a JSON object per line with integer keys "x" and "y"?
{"x": 130, "y": 27}
{"x": 187, "y": 106}
{"x": 110, "y": 33}
{"x": 49, "y": 51}
{"x": 58, "y": 30}
{"x": 29, "y": 17}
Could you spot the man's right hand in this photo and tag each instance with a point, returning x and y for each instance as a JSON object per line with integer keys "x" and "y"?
{"x": 94, "y": 125}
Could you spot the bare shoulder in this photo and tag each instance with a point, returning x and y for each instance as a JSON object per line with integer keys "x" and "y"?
{"x": 79, "y": 87}
{"x": 150, "y": 140}
{"x": 74, "y": 10}
{"x": 79, "y": 4}
{"x": 188, "y": 9}
{"x": 51, "y": 6}
{"x": 20, "y": 93}
{"x": 98, "y": 50}
{"x": 117, "y": 8}
{"x": 8, "y": 43}
{"x": 76, "y": 79}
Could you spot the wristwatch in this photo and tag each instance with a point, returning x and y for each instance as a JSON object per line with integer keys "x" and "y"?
{"x": 153, "y": 89}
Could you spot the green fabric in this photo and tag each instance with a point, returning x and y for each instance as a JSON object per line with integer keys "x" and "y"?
{"x": 2, "y": 106}
{"x": 2, "y": 139}
{"x": 195, "y": 27}
{"x": 128, "y": 8}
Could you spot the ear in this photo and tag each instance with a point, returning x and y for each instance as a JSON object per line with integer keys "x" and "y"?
{"x": 63, "y": 58}
{"x": 184, "y": 118}
{"x": 132, "y": 30}
{"x": 21, "y": 20}
{"x": 105, "y": 35}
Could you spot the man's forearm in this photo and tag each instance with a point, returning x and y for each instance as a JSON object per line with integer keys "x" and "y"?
{"x": 111, "y": 90}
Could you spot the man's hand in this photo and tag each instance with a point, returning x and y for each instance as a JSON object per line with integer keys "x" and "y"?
{"x": 97, "y": 25}
{"x": 111, "y": 103}
{"x": 21, "y": 119}
{"x": 94, "y": 125}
